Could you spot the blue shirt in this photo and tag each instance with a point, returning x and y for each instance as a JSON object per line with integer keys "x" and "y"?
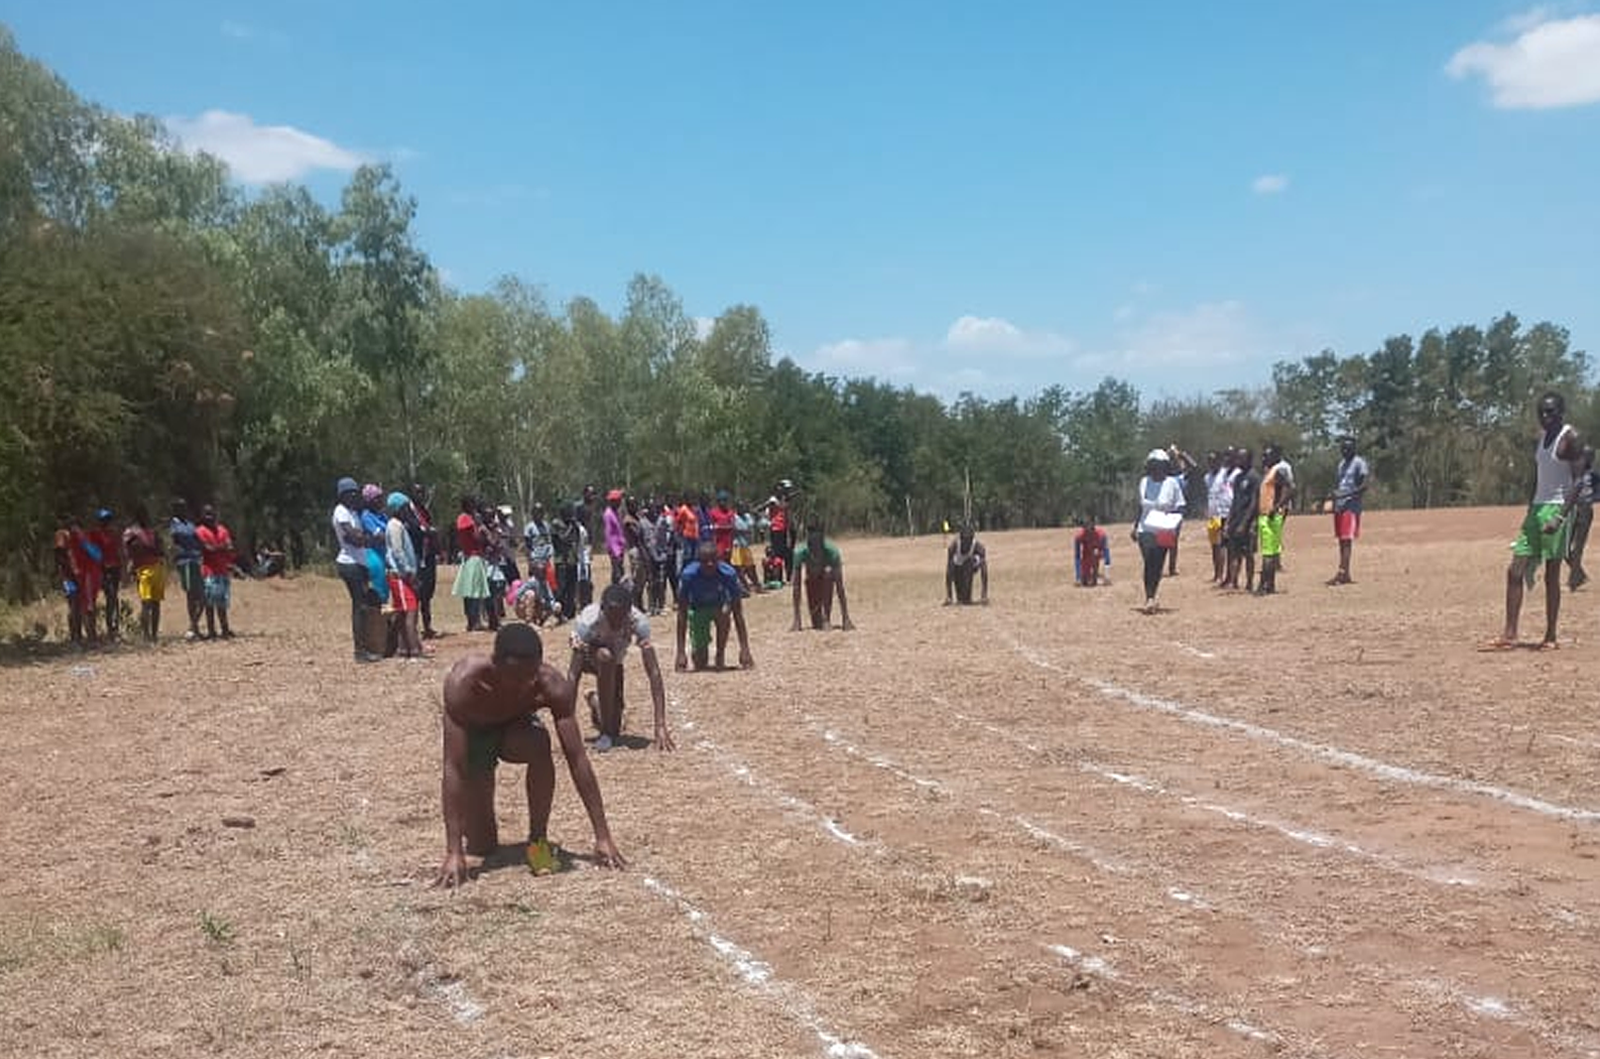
{"x": 697, "y": 591}
{"x": 185, "y": 541}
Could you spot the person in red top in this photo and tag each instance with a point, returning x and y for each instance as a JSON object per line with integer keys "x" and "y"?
{"x": 472, "y": 577}
{"x": 722, "y": 525}
{"x": 778, "y": 513}
{"x": 105, "y": 537}
{"x": 78, "y": 568}
{"x": 216, "y": 566}
{"x": 1090, "y": 549}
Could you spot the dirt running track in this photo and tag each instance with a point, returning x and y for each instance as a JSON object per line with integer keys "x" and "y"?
{"x": 1319, "y": 824}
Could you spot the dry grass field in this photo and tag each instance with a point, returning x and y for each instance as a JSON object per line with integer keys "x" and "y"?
{"x": 1320, "y": 824}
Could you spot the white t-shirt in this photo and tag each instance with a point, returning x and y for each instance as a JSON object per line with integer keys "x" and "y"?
{"x": 348, "y": 553}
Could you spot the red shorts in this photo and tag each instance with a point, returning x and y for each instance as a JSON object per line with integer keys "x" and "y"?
{"x": 402, "y": 597}
{"x": 1347, "y": 525}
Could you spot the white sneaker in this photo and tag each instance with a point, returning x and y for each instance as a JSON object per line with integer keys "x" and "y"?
{"x": 603, "y": 743}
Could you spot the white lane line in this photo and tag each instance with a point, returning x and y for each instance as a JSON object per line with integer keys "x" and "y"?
{"x": 1186, "y": 649}
{"x": 1293, "y": 832}
{"x": 829, "y": 825}
{"x": 1588, "y": 744}
{"x": 1336, "y": 755}
{"x": 833, "y": 738}
{"x": 1099, "y": 967}
{"x": 758, "y": 974}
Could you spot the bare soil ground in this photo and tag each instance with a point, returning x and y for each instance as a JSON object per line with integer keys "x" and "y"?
{"x": 1316, "y": 824}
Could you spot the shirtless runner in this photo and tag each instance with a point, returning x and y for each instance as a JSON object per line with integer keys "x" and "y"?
{"x": 489, "y": 717}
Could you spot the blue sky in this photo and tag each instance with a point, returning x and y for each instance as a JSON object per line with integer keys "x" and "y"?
{"x": 948, "y": 196}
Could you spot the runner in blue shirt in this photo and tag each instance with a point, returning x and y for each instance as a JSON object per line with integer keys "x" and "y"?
{"x": 709, "y": 594}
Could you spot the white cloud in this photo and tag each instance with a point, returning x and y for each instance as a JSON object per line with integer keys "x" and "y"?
{"x": 1210, "y": 334}
{"x": 880, "y": 357}
{"x": 703, "y": 326}
{"x": 1550, "y": 63}
{"x": 261, "y": 154}
{"x": 1270, "y": 184}
{"x": 996, "y": 335}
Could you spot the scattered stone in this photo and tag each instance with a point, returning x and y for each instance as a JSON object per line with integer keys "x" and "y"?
{"x": 276, "y": 770}
{"x": 974, "y": 887}
{"x": 239, "y": 821}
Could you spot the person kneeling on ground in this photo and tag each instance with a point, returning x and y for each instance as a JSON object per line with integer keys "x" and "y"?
{"x": 709, "y": 593}
{"x": 818, "y": 563}
{"x": 600, "y": 640}
{"x": 490, "y": 715}
{"x": 1090, "y": 550}
{"x": 966, "y": 555}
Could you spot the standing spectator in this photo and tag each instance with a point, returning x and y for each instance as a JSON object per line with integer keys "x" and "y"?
{"x": 1219, "y": 499}
{"x": 1277, "y": 490}
{"x": 142, "y": 546}
{"x": 1558, "y": 465}
{"x": 351, "y": 563}
{"x": 616, "y": 541}
{"x": 565, "y": 539}
{"x": 655, "y": 532}
{"x": 375, "y": 524}
{"x": 1182, "y": 466}
{"x": 1160, "y": 515}
{"x": 77, "y": 570}
{"x": 401, "y": 555}
{"x": 1582, "y": 519}
{"x": 1350, "y": 485}
{"x": 186, "y": 561}
{"x": 743, "y": 559}
{"x": 634, "y": 555}
{"x": 585, "y": 565}
{"x": 778, "y": 515}
{"x": 472, "y": 577}
{"x": 216, "y": 565}
{"x": 109, "y": 541}
{"x": 720, "y": 516}
{"x": 425, "y": 539}
{"x": 1240, "y": 531}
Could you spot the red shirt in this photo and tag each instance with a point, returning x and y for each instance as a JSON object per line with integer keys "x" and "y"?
{"x": 106, "y": 541}
{"x": 216, "y": 550}
{"x": 722, "y": 530}
{"x": 780, "y": 518}
{"x": 467, "y": 536}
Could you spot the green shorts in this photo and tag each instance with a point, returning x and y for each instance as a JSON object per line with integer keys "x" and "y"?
{"x": 1534, "y": 543}
{"x": 700, "y": 621}
{"x": 1269, "y": 533}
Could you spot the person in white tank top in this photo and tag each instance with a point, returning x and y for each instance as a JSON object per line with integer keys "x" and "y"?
{"x": 1558, "y": 462}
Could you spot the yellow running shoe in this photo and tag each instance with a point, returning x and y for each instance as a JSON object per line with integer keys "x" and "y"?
{"x": 542, "y": 857}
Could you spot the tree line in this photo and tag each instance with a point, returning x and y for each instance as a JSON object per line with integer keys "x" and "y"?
{"x": 164, "y": 332}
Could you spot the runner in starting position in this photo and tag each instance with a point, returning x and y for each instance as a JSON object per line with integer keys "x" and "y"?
{"x": 966, "y": 556}
{"x": 490, "y": 704}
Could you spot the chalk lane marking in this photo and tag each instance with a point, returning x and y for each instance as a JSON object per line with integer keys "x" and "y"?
{"x": 1099, "y": 967}
{"x": 1294, "y": 832}
{"x": 1336, "y": 755}
{"x": 758, "y": 974}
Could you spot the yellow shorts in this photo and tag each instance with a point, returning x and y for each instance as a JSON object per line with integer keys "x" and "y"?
{"x": 152, "y": 583}
{"x": 741, "y": 557}
{"x": 1214, "y": 531}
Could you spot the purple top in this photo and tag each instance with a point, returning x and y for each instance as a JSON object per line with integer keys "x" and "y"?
{"x": 616, "y": 542}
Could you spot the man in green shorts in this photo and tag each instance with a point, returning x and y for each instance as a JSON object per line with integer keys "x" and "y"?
{"x": 710, "y": 595}
{"x": 1277, "y": 490}
{"x": 490, "y": 704}
{"x": 1558, "y": 463}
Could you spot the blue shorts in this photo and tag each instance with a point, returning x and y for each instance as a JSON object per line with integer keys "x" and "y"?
{"x": 219, "y": 591}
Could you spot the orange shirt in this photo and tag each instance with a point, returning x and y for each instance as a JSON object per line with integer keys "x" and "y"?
{"x": 216, "y": 550}
{"x": 1269, "y": 488}
{"x": 688, "y": 523}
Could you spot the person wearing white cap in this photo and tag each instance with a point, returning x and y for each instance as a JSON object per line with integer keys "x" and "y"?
{"x": 1160, "y": 515}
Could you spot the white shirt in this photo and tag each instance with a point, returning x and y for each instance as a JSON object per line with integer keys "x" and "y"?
{"x": 1555, "y": 473}
{"x": 1160, "y": 504}
{"x": 349, "y": 553}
